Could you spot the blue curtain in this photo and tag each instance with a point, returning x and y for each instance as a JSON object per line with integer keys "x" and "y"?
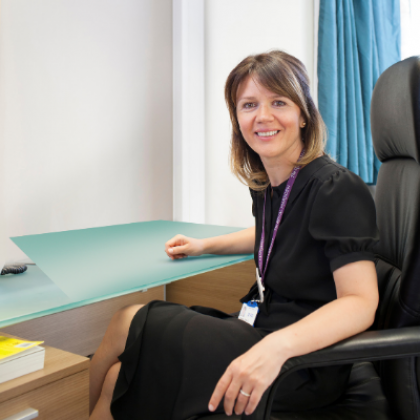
{"x": 357, "y": 41}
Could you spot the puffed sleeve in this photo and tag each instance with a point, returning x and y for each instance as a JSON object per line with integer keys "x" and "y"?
{"x": 343, "y": 216}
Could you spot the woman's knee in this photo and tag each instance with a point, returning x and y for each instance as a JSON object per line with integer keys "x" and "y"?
{"x": 119, "y": 326}
{"x": 125, "y": 315}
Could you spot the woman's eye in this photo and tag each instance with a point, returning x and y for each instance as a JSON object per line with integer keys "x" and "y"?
{"x": 249, "y": 105}
{"x": 279, "y": 103}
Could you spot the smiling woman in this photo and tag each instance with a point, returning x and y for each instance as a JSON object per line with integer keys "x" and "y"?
{"x": 316, "y": 282}
{"x": 262, "y": 93}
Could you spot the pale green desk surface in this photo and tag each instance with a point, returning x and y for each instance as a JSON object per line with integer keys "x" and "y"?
{"x": 79, "y": 267}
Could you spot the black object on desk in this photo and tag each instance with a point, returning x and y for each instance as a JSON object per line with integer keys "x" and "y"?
{"x": 13, "y": 269}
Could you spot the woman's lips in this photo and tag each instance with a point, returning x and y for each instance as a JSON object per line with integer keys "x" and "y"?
{"x": 266, "y": 135}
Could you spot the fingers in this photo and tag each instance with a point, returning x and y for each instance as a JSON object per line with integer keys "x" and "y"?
{"x": 220, "y": 390}
{"x": 242, "y": 401}
{"x": 252, "y": 372}
{"x": 231, "y": 395}
{"x": 181, "y": 246}
{"x": 230, "y": 385}
{"x": 176, "y": 240}
{"x": 175, "y": 248}
{"x": 253, "y": 400}
{"x": 178, "y": 257}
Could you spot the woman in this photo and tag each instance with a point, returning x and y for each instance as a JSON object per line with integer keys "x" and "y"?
{"x": 313, "y": 238}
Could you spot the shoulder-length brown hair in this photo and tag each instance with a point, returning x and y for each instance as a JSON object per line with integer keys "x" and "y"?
{"x": 285, "y": 75}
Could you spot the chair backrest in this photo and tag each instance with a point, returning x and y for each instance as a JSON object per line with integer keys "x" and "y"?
{"x": 395, "y": 121}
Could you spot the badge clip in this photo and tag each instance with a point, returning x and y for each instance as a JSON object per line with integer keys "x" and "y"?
{"x": 261, "y": 288}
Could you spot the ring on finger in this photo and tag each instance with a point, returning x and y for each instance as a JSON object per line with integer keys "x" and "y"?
{"x": 244, "y": 393}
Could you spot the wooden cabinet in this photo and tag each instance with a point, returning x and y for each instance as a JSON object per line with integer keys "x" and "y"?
{"x": 60, "y": 391}
{"x": 220, "y": 289}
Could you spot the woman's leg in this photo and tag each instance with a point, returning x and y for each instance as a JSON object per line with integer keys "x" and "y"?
{"x": 102, "y": 410}
{"x": 112, "y": 345}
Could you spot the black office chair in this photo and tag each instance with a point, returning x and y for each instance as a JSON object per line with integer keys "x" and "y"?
{"x": 387, "y": 389}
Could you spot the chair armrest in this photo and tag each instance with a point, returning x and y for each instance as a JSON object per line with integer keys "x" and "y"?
{"x": 367, "y": 346}
{"x": 370, "y": 345}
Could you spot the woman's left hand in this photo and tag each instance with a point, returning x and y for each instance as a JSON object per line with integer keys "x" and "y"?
{"x": 253, "y": 372}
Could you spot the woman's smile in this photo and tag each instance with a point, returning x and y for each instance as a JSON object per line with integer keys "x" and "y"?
{"x": 267, "y": 135}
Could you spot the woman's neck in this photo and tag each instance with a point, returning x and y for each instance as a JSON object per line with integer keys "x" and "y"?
{"x": 279, "y": 173}
{"x": 279, "y": 168}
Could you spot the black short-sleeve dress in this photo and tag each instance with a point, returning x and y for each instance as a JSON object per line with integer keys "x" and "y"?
{"x": 175, "y": 355}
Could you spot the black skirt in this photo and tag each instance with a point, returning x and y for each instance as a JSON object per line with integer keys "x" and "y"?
{"x": 175, "y": 356}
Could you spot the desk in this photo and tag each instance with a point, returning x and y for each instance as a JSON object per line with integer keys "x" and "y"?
{"x": 34, "y": 307}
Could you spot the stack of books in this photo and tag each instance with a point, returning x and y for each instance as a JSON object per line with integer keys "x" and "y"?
{"x": 19, "y": 357}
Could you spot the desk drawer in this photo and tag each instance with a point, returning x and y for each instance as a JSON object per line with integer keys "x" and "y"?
{"x": 66, "y": 399}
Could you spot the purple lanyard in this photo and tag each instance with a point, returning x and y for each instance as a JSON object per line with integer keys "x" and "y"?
{"x": 284, "y": 200}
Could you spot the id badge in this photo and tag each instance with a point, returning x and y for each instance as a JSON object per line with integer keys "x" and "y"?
{"x": 249, "y": 312}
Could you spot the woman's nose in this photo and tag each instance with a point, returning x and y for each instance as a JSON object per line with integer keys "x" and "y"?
{"x": 264, "y": 114}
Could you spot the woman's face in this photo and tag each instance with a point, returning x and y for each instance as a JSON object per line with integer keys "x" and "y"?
{"x": 270, "y": 123}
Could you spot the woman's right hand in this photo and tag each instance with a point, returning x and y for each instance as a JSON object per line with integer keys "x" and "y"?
{"x": 181, "y": 246}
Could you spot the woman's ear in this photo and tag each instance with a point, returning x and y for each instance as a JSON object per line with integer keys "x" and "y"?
{"x": 302, "y": 120}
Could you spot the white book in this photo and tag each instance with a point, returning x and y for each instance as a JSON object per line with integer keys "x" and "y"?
{"x": 22, "y": 363}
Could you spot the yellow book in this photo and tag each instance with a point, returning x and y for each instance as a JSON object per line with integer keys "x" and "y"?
{"x": 10, "y": 347}
{"x": 19, "y": 357}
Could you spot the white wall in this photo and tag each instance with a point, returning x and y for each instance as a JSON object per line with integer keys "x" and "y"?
{"x": 85, "y": 113}
{"x": 410, "y": 28}
{"x": 188, "y": 111}
{"x": 235, "y": 29}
